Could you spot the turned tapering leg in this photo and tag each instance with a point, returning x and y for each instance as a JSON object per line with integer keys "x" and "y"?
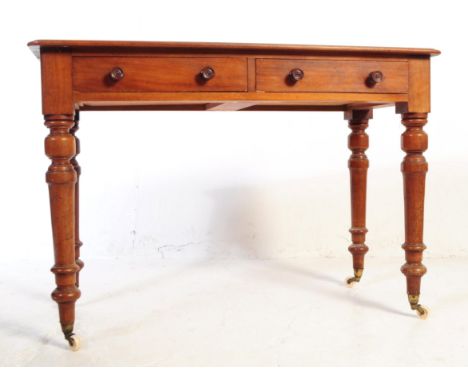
{"x": 61, "y": 177}
{"x": 358, "y": 142}
{"x": 414, "y": 169}
{"x": 77, "y": 168}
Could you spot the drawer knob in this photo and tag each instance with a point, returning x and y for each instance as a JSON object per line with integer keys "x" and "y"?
{"x": 116, "y": 74}
{"x": 296, "y": 75}
{"x": 207, "y": 73}
{"x": 374, "y": 78}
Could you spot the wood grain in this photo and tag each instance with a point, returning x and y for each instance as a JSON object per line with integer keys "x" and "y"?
{"x": 56, "y": 76}
{"x": 331, "y": 76}
{"x": 142, "y": 74}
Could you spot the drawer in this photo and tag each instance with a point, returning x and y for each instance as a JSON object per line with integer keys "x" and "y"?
{"x": 162, "y": 74}
{"x": 333, "y": 76}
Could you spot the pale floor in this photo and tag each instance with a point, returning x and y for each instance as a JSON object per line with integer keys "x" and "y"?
{"x": 239, "y": 312}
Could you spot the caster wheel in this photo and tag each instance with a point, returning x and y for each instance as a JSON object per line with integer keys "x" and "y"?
{"x": 350, "y": 282}
{"x": 422, "y": 312}
{"x": 74, "y": 342}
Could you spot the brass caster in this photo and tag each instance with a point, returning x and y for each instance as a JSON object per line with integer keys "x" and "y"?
{"x": 74, "y": 342}
{"x": 422, "y": 312}
{"x": 350, "y": 282}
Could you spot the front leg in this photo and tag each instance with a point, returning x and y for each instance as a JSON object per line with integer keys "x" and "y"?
{"x": 61, "y": 176}
{"x": 414, "y": 169}
{"x": 358, "y": 142}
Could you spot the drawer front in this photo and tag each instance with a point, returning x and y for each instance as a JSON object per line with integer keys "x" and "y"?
{"x": 333, "y": 76}
{"x": 165, "y": 74}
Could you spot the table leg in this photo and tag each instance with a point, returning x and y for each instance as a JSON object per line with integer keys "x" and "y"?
{"x": 61, "y": 177}
{"x": 77, "y": 168}
{"x": 414, "y": 168}
{"x": 358, "y": 142}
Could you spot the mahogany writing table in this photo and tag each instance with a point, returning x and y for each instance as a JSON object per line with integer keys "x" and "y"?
{"x": 123, "y": 75}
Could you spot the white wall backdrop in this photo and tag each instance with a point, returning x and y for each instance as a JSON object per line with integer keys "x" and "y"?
{"x": 172, "y": 184}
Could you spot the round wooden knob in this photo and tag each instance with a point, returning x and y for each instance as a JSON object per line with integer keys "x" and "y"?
{"x": 374, "y": 78}
{"x": 116, "y": 74}
{"x": 296, "y": 75}
{"x": 207, "y": 73}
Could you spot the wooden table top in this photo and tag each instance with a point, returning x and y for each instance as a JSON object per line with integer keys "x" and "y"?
{"x": 215, "y": 47}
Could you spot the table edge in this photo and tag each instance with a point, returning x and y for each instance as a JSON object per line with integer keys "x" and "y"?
{"x": 37, "y": 45}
